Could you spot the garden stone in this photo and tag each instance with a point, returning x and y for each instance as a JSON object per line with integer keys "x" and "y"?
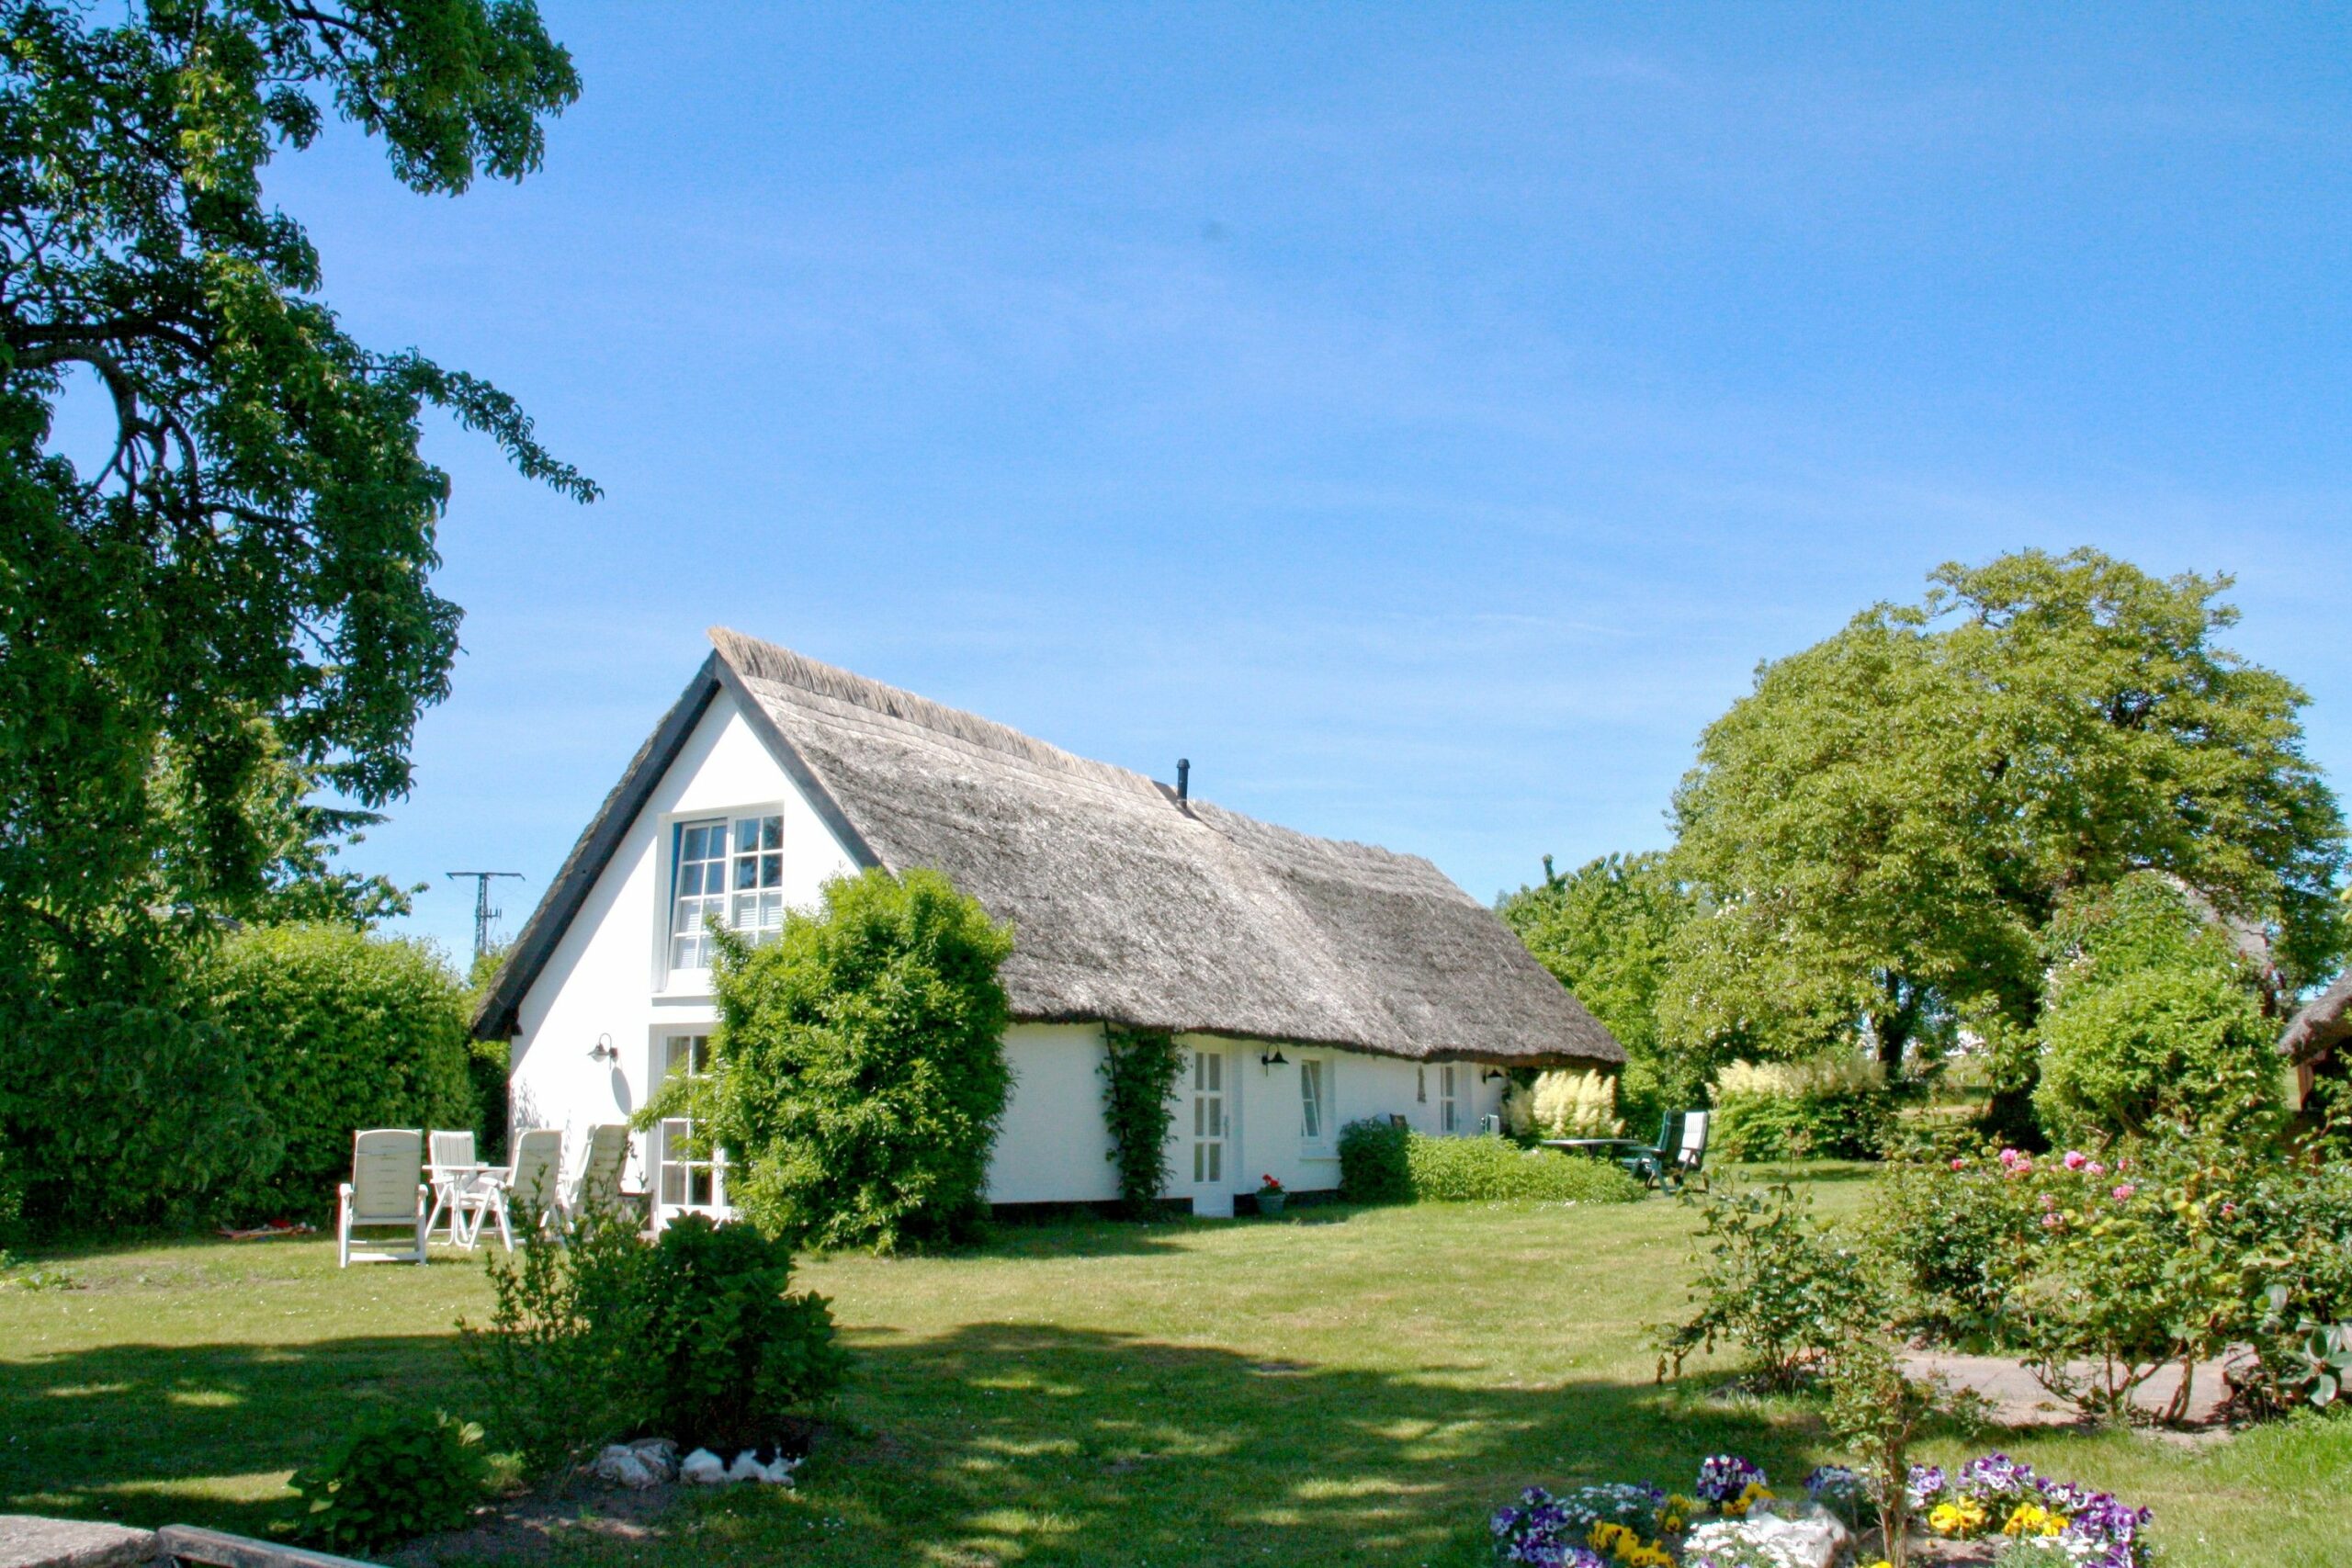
{"x": 703, "y": 1468}
{"x": 624, "y": 1467}
{"x": 1807, "y": 1537}
{"x": 27, "y": 1540}
{"x": 660, "y": 1455}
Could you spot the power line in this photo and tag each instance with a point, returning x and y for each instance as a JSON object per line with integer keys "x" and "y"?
{"x": 483, "y": 913}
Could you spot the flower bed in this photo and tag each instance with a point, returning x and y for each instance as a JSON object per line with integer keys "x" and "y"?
{"x": 1993, "y": 1510}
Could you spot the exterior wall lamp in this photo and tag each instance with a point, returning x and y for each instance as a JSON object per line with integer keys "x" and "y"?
{"x": 604, "y": 1050}
{"x": 1275, "y": 1060}
{"x": 1491, "y": 1074}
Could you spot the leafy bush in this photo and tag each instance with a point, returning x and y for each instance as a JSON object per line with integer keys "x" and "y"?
{"x": 559, "y": 1363}
{"x": 596, "y": 1337}
{"x": 340, "y": 1030}
{"x": 392, "y": 1480}
{"x": 155, "y": 1117}
{"x": 860, "y": 1065}
{"x": 2158, "y": 1252}
{"x": 1770, "y": 1279}
{"x": 1373, "y": 1164}
{"x": 2150, "y": 1017}
{"x": 1140, "y": 1072}
{"x": 1461, "y": 1170}
{"x": 1381, "y": 1162}
{"x": 728, "y": 1352}
{"x": 1832, "y": 1106}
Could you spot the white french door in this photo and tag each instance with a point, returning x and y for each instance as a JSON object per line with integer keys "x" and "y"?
{"x": 687, "y": 1179}
{"x": 1211, "y": 1182}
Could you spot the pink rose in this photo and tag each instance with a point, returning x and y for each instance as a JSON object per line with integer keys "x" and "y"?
{"x": 1960, "y": 1165}
{"x": 2095, "y": 1169}
{"x": 2124, "y": 1191}
{"x": 2076, "y": 1160}
{"x": 2051, "y": 1221}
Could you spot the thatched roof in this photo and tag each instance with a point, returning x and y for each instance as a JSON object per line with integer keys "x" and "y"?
{"x": 2323, "y": 1025}
{"x": 1130, "y": 906}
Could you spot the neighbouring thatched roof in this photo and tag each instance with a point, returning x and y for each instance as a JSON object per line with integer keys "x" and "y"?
{"x": 2323, "y": 1025}
{"x": 1128, "y": 906}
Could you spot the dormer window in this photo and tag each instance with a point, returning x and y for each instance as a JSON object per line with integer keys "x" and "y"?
{"x": 727, "y": 870}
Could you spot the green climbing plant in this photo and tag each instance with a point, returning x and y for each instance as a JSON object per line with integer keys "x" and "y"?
{"x": 1139, "y": 1071}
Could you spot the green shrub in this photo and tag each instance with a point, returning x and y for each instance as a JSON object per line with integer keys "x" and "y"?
{"x": 559, "y": 1363}
{"x": 1770, "y": 1279}
{"x": 393, "y": 1480}
{"x": 596, "y": 1337}
{"x": 340, "y": 1030}
{"x": 860, "y": 1065}
{"x": 1832, "y": 1108}
{"x": 153, "y": 1118}
{"x": 1373, "y": 1164}
{"x": 2150, "y": 1017}
{"x": 728, "y": 1352}
{"x": 1461, "y": 1170}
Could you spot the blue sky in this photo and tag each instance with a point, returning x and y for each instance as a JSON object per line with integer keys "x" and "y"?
{"x": 1423, "y": 418}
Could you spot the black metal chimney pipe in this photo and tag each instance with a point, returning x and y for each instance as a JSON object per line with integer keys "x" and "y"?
{"x": 1183, "y": 778}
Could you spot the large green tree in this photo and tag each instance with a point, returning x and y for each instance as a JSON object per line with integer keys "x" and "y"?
{"x": 233, "y": 588}
{"x": 242, "y": 575}
{"x": 1899, "y": 811}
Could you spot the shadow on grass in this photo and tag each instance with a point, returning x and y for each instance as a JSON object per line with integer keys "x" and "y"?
{"x": 998, "y": 1443}
{"x": 153, "y": 1434}
{"x": 1023, "y": 1442}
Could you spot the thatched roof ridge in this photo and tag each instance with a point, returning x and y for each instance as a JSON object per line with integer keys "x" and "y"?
{"x": 1130, "y": 906}
{"x": 2322, "y": 1025}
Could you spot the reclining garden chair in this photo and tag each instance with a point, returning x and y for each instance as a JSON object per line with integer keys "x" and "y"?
{"x": 450, "y": 1169}
{"x": 386, "y": 1191}
{"x": 530, "y": 1190}
{"x": 597, "y": 1187}
{"x": 1679, "y": 1155}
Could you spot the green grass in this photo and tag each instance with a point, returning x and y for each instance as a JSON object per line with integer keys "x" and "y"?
{"x": 1356, "y": 1387}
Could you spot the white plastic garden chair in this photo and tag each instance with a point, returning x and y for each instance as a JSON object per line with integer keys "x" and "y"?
{"x": 386, "y": 1191}
{"x": 453, "y": 1168}
{"x": 529, "y": 1189}
{"x": 597, "y": 1187}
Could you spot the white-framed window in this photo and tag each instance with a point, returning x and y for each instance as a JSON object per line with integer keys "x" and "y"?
{"x": 1448, "y": 1101}
{"x": 686, "y": 1176}
{"x": 1314, "y": 1102}
{"x": 730, "y": 870}
{"x": 1420, "y": 1085}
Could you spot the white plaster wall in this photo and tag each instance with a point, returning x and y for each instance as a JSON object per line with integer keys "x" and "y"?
{"x": 1270, "y": 1130}
{"x": 1052, "y": 1144}
{"x": 609, "y": 976}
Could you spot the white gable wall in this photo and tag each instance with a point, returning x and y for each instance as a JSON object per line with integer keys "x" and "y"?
{"x": 609, "y": 976}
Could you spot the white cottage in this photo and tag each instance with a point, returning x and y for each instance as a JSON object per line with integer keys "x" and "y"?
{"x": 1310, "y": 982}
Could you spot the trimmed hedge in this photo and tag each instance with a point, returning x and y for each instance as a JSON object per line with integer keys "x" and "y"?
{"x": 339, "y": 1030}
{"x": 1380, "y": 1162}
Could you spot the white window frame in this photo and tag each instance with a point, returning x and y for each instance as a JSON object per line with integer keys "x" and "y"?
{"x": 665, "y": 1159}
{"x": 1448, "y": 1088}
{"x": 746, "y": 859}
{"x": 1320, "y": 1071}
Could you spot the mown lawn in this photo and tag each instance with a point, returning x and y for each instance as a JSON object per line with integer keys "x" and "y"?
{"x": 1340, "y": 1386}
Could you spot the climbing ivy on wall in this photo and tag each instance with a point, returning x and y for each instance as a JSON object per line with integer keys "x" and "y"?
{"x": 1139, "y": 1071}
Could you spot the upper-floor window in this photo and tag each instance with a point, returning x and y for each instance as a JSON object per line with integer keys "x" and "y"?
{"x": 731, "y": 871}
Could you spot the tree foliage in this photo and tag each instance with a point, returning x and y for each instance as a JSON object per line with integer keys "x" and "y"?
{"x": 241, "y": 582}
{"x": 2152, "y": 1016}
{"x": 1889, "y": 822}
{"x": 1607, "y": 929}
{"x": 860, "y": 1071}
